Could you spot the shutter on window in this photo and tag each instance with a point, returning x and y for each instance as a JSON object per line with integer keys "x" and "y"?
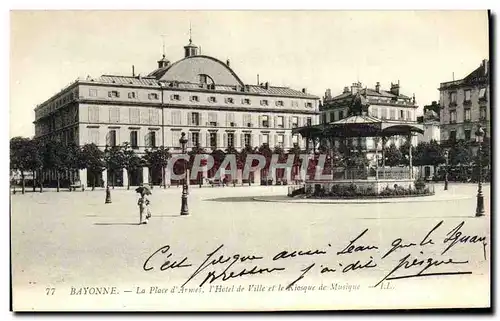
{"x": 290, "y": 141}
{"x": 242, "y": 140}
{"x": 276, "y": 121}
{"x": 260, "y": 140}
{"x": 235, "y": 140}
{"x": 147, "y": 140}
{"x": 189, "y": 118}
{"x": 225, "y": 143}
{"x": 108, "y": 139}
{"x": 207, "y": 142}
{"x": 260, "y": 121}
{"x": 190, "y": 139}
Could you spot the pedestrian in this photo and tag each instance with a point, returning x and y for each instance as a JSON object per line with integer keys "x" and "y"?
{"x": 143, "y": 203}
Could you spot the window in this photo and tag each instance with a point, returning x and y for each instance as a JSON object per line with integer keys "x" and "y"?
{"x": 265, "y": 121}
{"x": 332, "y": 116}
{"x": 93, "y": 114}
{"x": 212, "y": 119}
{"x": 134, "y": 139}
{"x": 94, "y": 136}
{"x": 245, "y": 101}
{"x": 195, "y": 139}
{"x": 279, "y": 103}
{"x": 153, "y": 96}
{"x": 384, "y": 113}
{"x": 230, "y": 100}
{"x": 194, "y": 98}
{"x": 392, "y": 114}
{"x": 295, "y": 139}
{"x": 453, "y": 116}
{"x": 467, "y": 114}
{"x": 111, "y": 138}
{"x": 408, "y": 115}
{"x": 176, "y": 117}
{"x": 323, "y": 118}
{"x": 213, "y": 140}
{"x": 467, "y": 95}
{"x": 309, "y": 105}
{"x": 295, "y": 122}
{"x": 212, "y": 99}
{"x": 247, "y": 120}
{"x": 375, "y": 112}
{"x": 152, "y": 139}
{"x": 230, "y": 139}
{"x": 114, "y": 115}
{"x": 280, "y": 122}
{"x": 176, "y": 135}
{"x": 248, "y": 139}
{"x": 175, "y": 97}
{"x": 295, "y": 103}
{"x": 341, "y": 114}
{"x": 281, "y": 140}
{"x": 453, "y": 135}
{"x": 93, "y": 92}
{"x": 467, "y": 135}
{"x": 482, "y": 94}
{"x": 113, "y": 94}
{"x": 132, "y": 95}
{"x": 265, "y": 139}
{"x": 264, "y": 102}
{"x": 195, "y": 119}
{"x": 154, "y": 116}
{"x": 308, "y": 121}
{"x": 482, "y": 113}
{"x": 401, "y": 114}
{"x": 453, "y": 98}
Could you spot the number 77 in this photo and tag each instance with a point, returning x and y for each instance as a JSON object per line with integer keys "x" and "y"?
{"x": 50, "y": 291}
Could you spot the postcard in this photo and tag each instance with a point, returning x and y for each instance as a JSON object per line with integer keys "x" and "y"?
{"x": 250, "y": 160}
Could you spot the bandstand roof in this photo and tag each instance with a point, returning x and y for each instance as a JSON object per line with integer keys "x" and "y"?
{"x": 359, "y": 126}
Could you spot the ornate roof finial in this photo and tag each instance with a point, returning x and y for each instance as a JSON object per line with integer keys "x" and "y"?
{"x": 190, "y": 41}
{"x": 163, "y": 44}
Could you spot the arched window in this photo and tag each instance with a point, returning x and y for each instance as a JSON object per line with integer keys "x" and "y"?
{"x": 206, "y": 80}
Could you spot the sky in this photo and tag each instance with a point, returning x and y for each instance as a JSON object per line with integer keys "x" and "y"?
{"x": 298, "y": 49}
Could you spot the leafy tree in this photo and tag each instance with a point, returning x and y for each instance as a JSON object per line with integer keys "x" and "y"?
{"x": 55, "y": 158}
{"x": 393, "y": 156}
{"x": 114, "y": 159}
{"x": 434, "y": 155}
{"x": 93, "y": 160}
{"x": 265, "y": 151}
{"x": 460, "y": 154}
{"x": 247, "y": 150}
{"x": 131, "y": 161}
{"x": 20, "y": 152}
{"x": 74, "y": 161}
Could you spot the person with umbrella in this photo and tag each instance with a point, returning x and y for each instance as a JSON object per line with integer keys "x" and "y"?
{"x": 143, "y": 204}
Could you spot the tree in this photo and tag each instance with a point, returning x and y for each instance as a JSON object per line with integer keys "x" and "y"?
{"x": 74, "y": 161}
{"x": 131, "y": 161}
{"x": 93, "y": 160}
{"x": 393, "y": 156}
{"x": 247, "y": 150}
{"x": 162, "y": 156}
{"x": 265, "y": 151}
{"x": 55, "y": 158}
{"x": 434, "y": 155}
{"x": 114, "y": 159}
{"x": 20, "y": 152}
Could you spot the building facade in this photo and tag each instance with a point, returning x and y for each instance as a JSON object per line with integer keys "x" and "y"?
{"x": 198, "y": 94}
{"x": 391, "y": 106}
{"x": 465, "y": 104}
{"x": 430, "y": 121}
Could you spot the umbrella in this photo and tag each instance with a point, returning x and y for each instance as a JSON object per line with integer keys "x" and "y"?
{"x": 143, "y": 190}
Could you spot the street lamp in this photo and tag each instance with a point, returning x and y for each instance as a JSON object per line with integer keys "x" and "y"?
{"x": 184, "y": 205}
{"x": 480, "y": 199}
{"x": 108, "y": 193}
{"x": 446, "y": 154}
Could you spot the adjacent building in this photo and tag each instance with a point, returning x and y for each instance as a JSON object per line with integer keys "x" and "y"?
{"x": 430, "y": 121}
{"x": 465, "y": 104}
{"x": 199, "y": 95}
{"x": 389, "y": 105}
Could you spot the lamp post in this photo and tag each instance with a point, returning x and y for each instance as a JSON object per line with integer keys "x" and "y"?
{"x": 480, "y": 199}
{"x": 446, "y": 154}
{"x": 184, "y": 205}
{"x": 108, "y": 193}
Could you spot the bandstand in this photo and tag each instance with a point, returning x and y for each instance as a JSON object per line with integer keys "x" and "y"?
{"x": 374, "y": 177}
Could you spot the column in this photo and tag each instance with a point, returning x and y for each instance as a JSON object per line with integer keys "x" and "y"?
{"x": 82, "y": 175}
{"x": 145, "y": 175}
{"x": 105, "y": 177}
{"x": 410, "y": 156}
{"x": 125, "y": 177}
{"x": 375, "y": 141}
{"x": 288, "y": 173}
{"x": 383, "y": 155}
{"x": 273, "y": 175}
{"x": 167, "y": 177}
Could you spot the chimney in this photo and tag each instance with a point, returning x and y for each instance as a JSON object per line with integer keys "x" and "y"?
{"x": 395, "y": 88}
{"x": 328, "y": 93}
{"x": 377, "y": 87}
{"x": 227, "y": 62}
{"x": 304, "y": 90}
{"x": 485, "y": 65}
{"x": 267, "y": 85}
{"x": 346, "y": 90}
{"x": 133, "y": 71}
{"x": 258, "y": 80}
{"x": 354, "y": 88}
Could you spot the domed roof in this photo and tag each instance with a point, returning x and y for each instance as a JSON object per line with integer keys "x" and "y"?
{"x": 190, "y": 68}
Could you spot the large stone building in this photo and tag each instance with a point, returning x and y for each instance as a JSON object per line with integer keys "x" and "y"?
{"x": 430, "y": 121}
{"x": 465, "y": 103}
{"x": 388, "y": 105}
{"x": 199, "y": 95}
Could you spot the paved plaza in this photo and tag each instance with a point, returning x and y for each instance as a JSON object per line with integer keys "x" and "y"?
{"x": 73, "y": 239}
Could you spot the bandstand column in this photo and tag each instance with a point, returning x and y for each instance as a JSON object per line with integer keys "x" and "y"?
{"x": 410, "y": 156}
{"x": 375, "y": 140}
{"x": 384, "y": 140}
{"x": 307, "y": 145}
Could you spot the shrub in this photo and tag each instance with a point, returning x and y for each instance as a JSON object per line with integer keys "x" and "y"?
{"x": 419, "y": 184}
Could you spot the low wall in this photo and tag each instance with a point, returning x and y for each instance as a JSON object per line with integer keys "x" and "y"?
{"x": 376, "y": 185}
